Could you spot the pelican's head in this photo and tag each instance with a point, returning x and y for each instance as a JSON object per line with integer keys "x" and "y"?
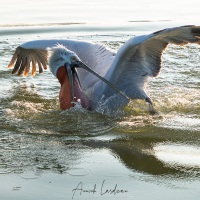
{"x": 63, "y": 64}
{"x": 60, "y": 56}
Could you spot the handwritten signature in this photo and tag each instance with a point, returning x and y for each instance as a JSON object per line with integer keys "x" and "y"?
{"x": 79, "y": 190}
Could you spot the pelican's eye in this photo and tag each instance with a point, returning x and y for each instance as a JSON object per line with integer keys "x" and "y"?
{"x": 73, "y": 59}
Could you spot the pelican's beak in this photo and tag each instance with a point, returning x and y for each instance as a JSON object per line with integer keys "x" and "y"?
{"x": 65, "y": 94}
{"x": 82, "y": 65}
{"x": 70, "y": 90}
{"x": 70, "y": 86}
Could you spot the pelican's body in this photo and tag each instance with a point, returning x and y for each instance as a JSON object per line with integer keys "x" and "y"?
{"x": 128, "y": 69}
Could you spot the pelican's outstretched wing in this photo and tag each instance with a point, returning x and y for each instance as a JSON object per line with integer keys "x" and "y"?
{"x": 140, "y": 58}
{"x": 34, "y": 53}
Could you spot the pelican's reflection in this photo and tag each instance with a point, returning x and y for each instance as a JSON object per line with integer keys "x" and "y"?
{"x": 157, "y": 156}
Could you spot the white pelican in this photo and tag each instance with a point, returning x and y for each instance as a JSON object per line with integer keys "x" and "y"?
{"x": 124, "y": 73}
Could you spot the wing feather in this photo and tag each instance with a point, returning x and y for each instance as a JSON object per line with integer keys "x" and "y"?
{"x": 23, "y": 65}
{"x": 27, "y": 68}
{"x": 33, "y": 72}
{"x": 41, "y": 58}
{"x": 17, "y": 64}
{"x": 13, "y": 59}
{"x": 40, "y": 67}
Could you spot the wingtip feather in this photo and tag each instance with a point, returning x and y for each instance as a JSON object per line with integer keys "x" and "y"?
{"x": 13, "y": 59}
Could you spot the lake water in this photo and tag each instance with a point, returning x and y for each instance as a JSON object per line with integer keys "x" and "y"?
{"x": 78, "y": 154}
